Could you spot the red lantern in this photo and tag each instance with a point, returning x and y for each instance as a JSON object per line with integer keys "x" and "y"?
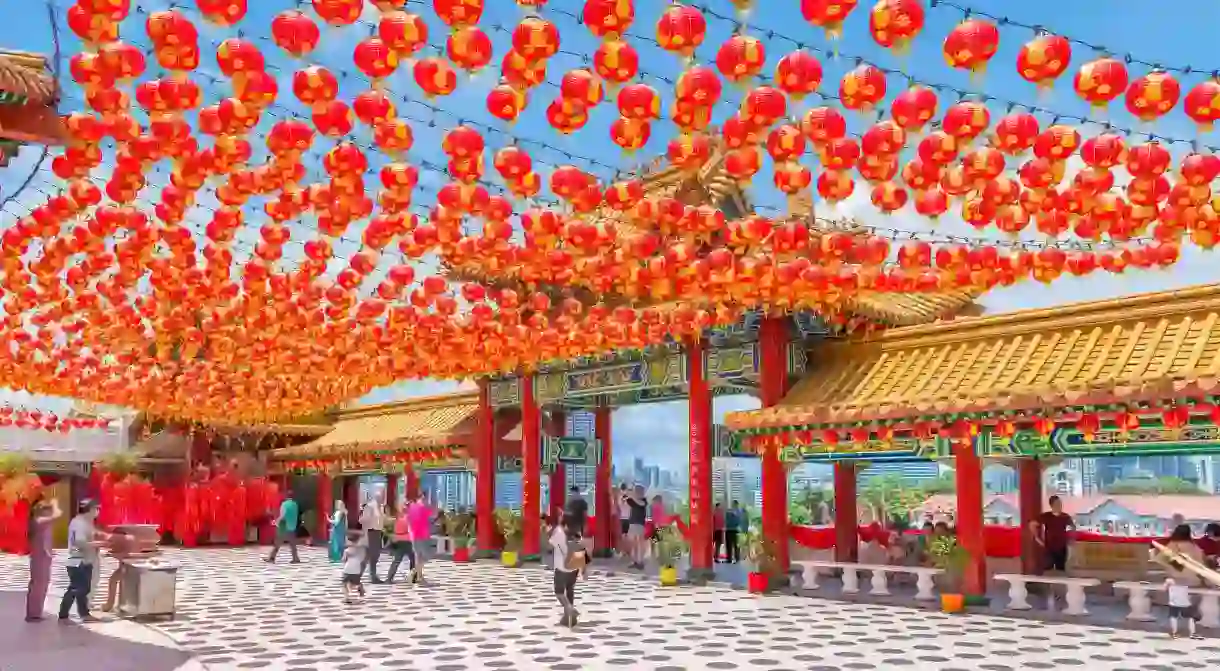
{"x": 535, "y": 39}
{"x": 630, "y": 134}
{"x": 435, "y": 77}
{"x": 583, "y": 87}
{"x": 741, "y": 57}
{"x": 1202, "y": 103}
{"x": 222, "y": 12}
{"x": 931, "y": 203}
{"x": 689, "y": 152}
{"x": 236, "y": 56}
{"x": 373, "y": 107}
{"x": 681, "y": 29}
{"x": 375, "y": 58}
{"x": 894, "y": 23}
{"x": 405, "y": 33}
{"x": 971, "y": 44}
{"x": 1153, "y": 95}
{"x": 608, "y": 19}
{"x": 786, "y": 143}
{"x": 823, "y": 124}
{"x": 828, "y": 15}
{"x": 762, "y": 107}
{"x": 798, "y": 74}
{"x": 458, "y": 13}
{"x": 1016, "y": 133}
{"x": 469, "y": 48}
{"x": 616, "y": 61}
{"x": 505, "y": 103}
{"x": 339, "y": 12}
{"x": 333, "y": 119}
{"x": 889, "y": 197}
{"x": 639, "y": 102}
{"x": 862, "y": 88}
{"x": 792, "y": 178}
{"x": 835, "y": 186}
{"x": 1100, "y": 81}
{"x": 964, "y": 121}
{"x": 314, "y": 85}
{"x": 914, "y": 107}
{"x": 1043, "y": 59}
{"x": 294, "y": 32}
{"x": 742, "y": 164}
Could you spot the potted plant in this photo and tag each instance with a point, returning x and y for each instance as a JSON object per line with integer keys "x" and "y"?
{"x": 669, "y": 547}
{"x": 762, "y": 553}
{"x": 509, "y": 525}
{"x": 457, "y": 528}
{"x": 947, "y": 555}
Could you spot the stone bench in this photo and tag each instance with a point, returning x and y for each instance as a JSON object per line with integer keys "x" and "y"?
{"x": 1139, "y": 600}
{"x": 1018, "y": 594}
{"x": 444, "y": 545}
{"x": 879, "y": 583}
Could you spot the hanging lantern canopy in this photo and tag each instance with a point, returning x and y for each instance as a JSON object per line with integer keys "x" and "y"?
{"x": 971, "y": 44}
{"x": 895, "y": 23}
{"x": 1044, "y": 59}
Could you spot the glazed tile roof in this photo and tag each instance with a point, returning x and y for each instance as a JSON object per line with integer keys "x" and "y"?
{"x": 910, "y": 309}
{"x": 25, "y": 77}
{"x": 418, "y": 423}
{"x": 1152, "y": 346}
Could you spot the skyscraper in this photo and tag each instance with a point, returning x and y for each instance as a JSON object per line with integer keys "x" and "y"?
{"x": 729, "y": 482}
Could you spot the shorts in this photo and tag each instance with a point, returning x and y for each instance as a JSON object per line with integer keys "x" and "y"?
{"x": 1056, "y": 560}
{"x": 1184, "y": 611}
{"x": 635, "y": 531}
{"x": 422, "y": 549}
{"x": 352, "y": 578}
{"x": 624, "y": 526}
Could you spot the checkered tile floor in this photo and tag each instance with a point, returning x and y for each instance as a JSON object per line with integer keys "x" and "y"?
{"x": 236, "y": 612}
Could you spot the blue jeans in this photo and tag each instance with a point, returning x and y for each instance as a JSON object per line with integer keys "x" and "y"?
{"x": 80, "y": 581}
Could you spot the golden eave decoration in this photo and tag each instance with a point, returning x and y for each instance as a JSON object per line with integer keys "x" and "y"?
{"x": 420, "y": 423}
{"x": 1147, "y": 347}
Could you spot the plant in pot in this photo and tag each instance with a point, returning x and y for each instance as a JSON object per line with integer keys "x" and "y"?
{"x": 947, "y": 555}
{"x": 670, "y": 547}
{"x": 458, "y": 528}
{"x": 509, "y": 525}
{"x": 764, "y": 556}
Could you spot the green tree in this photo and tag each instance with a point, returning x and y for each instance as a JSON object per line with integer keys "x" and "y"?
{"x": 945, "y": 483}
{"x": 1152, "y": 486}
{"x": 892, "y": 496}
{"x": 807, "y": 504}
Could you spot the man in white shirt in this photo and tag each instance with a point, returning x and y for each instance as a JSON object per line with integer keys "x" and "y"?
{"x": 565, "y": 543}
{"x": 82, "y": 562}
{"x": 372, "y": 521}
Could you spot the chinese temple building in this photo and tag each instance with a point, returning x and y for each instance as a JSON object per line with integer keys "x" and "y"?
{"x": 28, "y": 98}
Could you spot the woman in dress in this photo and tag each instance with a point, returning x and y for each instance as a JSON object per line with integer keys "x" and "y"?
{"x": 338, "y": 532}
{"x": 42, "y": 513}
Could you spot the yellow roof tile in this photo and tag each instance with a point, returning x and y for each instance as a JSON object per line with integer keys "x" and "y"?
{"x": 1151, "y": 346}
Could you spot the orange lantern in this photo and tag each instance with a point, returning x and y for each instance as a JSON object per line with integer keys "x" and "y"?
{"x": 914, "y": 107}
{"x": 1152, "y": 95}
{"x": 1100, "y": 81}
{"x": 741, "y": 57}
{"x": 971, "y": 44}
{"x": 894, "y": 23}
{"x": 1043, "y": 59}
{"x": 681, "y": 29}
{"x": 792, "y": 178}
{"x": 294, "y": 32}
{"x": 798, "y": 74}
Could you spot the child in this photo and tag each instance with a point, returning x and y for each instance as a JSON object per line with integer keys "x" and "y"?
{"x": 1180, "y": 607}
{"x": 569, "y": 559}
{"x": 353, "y": 565}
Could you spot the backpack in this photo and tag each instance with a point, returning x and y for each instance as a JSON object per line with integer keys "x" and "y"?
{"x": 576, "y": 557}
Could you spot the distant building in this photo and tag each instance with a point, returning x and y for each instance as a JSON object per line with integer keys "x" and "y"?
{"x": 451, "y": 490}
{"x": 508, "y": 491}
{"x": 912, "y": 472}
{"x": 728, "y": 482}
{"x": 1119, "y": 514}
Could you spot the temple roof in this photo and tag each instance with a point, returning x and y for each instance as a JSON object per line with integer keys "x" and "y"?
{"x": 431, "y": 421}
{"x": 1145, "y": 347}
{"x": 24, "y": 76}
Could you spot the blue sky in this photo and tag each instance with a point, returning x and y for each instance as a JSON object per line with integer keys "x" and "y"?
{"x": 1146, "y": 31}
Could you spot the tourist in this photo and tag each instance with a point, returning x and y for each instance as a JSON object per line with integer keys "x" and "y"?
{"x": 1181, "y": 542}
{"x": 42, "y": 514}
{"x": 637, "y": 518}
{"x": 1209, "y": 544}
{"x": 1180, "y": 607}
{"x": 419, "y": 527}
{"x": 734, "y": 524}
{"x": 577, "y": 509}
{"x": 659, "y": 516}
{"x": 1051, "y": 534}
{"x": 717, "y": 531}
{"x": 624, "y": 520}
{"x": 286, "y": 529}
{"x": 338, "y": 532}
{"x": 372, "y": 521}
{"x": 569, "y": 559}
{"x": 353, "y": 566}
{"x": 83, "y": 543}
{"x": 400, "y": 544}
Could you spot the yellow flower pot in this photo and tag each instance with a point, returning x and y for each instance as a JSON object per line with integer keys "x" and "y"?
{"x": 669, "y": 576}
{"x": 508, "y": 558}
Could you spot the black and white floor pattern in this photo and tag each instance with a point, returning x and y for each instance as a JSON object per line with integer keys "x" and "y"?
{"x": 236, "y": 612}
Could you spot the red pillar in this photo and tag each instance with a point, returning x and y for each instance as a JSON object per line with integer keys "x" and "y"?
{"x": 411, "y": 490}
{"x": 531, "y": 471}
{"x": 969, "y": 515}
{"x": 485, "y": 474}
{"x": 700, "y": 401}
{"x": 1029, "y": 497}
{"x": 847, "y": 526}
{"x": 391, "y": 494}
{"x": 351, "y": 499}
{"x": 603, "y": 532}
{"x": 325, "y": 505}
{"x": 773, "y": 383}
{"x": 557, "y": 483}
